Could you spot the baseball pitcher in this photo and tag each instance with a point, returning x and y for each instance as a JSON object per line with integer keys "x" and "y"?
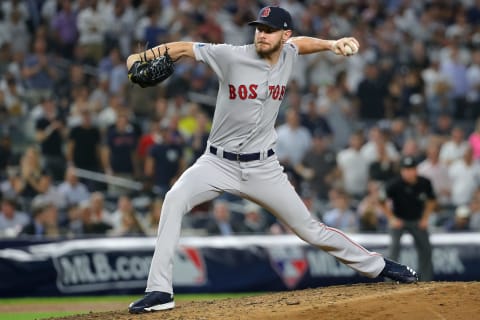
{"x": 240, "y": 155}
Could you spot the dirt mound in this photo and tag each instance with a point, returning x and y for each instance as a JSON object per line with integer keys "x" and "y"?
{"x": 432, "y": 300}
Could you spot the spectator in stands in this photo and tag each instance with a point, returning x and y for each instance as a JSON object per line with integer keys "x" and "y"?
{"x": 74, "y": 225}
{"x": 80, "y": 104}
{"x": 39, "y": 71}
{"x": 412, "y": 149}
{"x": 294, "y": 140}
{"x": 12, "y": 221}
{"x": 338, "y": 112}
{"x": 412, "y": 201}
{"x": 99, "y": 212}
{"x": 51, "y": 134}
{"x": 443, "y": 127}
{"x": 315, "y": 120}
{"x": 464, "y": 178}
{"x": 188, "y": 121}
{"x": 121, "y": 23}
{"x": 124, "y": 205}
{"x": 149, "y": 28}
{"x": 130, "y": 226}
{"x": 14, "y": 96}
{"x": 353, "y": 167}
{"x": 199, "y": 138}
{"x": 114, "y": 67}
{"x": 15, "y": 26}
{"x": 85, "y": 222}
{"x": 437, "y": 87}
{"x": 370, "y": 209}
{"x": 421, "y": 133}
{"x": 398, "y": 132}
{"x": 165, "y": 160}
{"x": 83, "y": 148}
{"x": 64, "y": 27}
{"x": 455, "y": 147}
{"x": 341, "y": 216}
{"x": 475, "y": 212}
{"x": 91, "y": 26}
{"x": 384, "y": 168}
{"x": 455, "y": 70}
{"x": 293, "y": 143}
{"x": 72, "y": 189}
{"x": 378, "y": 139}
{"x": 319, "y": 166}
{"x": 5, "y": 156}
{"x": 474, "y": 140}
{"x": 278, "y": 228}
{"x": 44, "y": 223}
{"x": 153, "y": 217}
{"x": 30, "y": 173}
{"x": 473, "y": 78}
{"x": 108, "y": 116}
{"x": 221, "y": 221}
{"x": 371, "y": 93}
{"x": 235, "y": 29}
{"x": 99, "y": 97}
{"x": 70, "y": 93}
{"x": 460, "y": 222}
{"x": 437, "y": 172}
{"x": 49, "y": 193}
{"x": 119, "y": 158}
{"x": 254, "y": 220}
{"x": 147, "y": 140}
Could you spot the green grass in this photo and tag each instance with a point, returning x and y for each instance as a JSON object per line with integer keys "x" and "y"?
{"x": 32, "y": 316}
{"x": 122, "y": 299}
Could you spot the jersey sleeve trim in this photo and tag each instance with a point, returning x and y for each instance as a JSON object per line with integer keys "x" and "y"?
{"x": 196, "y": 51}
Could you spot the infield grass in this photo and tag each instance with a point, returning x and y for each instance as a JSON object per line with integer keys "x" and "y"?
{"x": 24, "y": 308}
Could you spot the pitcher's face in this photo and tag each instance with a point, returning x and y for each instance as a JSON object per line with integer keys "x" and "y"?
{"x": 269, "y": 40}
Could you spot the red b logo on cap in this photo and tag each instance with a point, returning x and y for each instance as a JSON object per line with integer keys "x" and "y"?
{"x": 265, "y": 12}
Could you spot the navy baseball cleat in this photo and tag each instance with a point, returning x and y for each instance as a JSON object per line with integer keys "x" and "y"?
{"x": 152, "y": 301}
{"x": 399, "y": 272}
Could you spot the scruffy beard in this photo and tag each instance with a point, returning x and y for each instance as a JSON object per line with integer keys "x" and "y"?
{"x": 266, "y": 53}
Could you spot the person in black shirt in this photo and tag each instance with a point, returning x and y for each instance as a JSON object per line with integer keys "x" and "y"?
{"x": 119, "y": 157}
{"x": 413, "y": 200}
{"x": 50, "y": 133}
{"x": 83, "y": 149}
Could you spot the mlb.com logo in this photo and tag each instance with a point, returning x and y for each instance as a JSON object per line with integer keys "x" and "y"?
{"x": 289, "y": 263}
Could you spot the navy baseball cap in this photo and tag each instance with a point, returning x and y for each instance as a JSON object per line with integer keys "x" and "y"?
{"x": 408, "y": 162}
{"x": 274, "y": 17}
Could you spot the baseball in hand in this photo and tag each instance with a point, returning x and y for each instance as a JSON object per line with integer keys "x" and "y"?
{"x": 350, "y": 49}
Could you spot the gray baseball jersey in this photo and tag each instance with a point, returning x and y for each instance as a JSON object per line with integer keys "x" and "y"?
{"x": 249, "y": 94}
{"x": 248, "y": 100}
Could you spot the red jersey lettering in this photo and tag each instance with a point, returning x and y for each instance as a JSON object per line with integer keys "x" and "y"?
{"x": 253, "y": 91}
{"x": 242, "y": 92}
{"x": 233, "y": 95}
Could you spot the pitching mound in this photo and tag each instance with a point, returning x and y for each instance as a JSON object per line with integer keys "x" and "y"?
{"x": 432, "y": 300}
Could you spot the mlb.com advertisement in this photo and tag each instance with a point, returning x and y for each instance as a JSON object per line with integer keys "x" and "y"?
{"x": 210, "y": 264}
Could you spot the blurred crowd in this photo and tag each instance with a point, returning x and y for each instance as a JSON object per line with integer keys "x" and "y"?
{"x": 84, "y": 152}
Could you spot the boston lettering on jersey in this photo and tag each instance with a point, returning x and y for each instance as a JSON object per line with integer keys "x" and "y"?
{"x": 244, "y": 92}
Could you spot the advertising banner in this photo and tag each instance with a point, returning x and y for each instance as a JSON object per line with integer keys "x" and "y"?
{"x": 208, "y": 264}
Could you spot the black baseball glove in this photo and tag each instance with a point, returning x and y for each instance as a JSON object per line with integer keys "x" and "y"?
{"x": 149, "y": 73}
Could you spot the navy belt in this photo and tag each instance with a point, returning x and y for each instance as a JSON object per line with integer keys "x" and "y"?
{"x": 242, "y": 157}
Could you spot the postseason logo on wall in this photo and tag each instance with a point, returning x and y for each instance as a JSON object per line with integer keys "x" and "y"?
{"x": 289, "y": 263}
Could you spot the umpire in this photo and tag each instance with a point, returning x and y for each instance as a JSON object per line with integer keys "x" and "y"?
{"x": 412, "y": 201}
